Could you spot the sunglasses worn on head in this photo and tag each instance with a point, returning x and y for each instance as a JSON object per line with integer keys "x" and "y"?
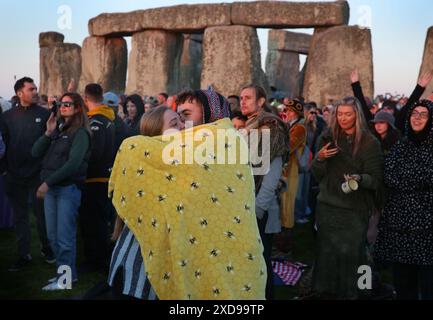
{"x": 66, "y": 104}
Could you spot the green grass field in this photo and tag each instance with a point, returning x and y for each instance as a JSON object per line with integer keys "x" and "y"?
{"x": 27, "y": 284}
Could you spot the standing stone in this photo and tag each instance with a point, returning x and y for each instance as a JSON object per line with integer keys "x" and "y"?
{"x": 333, "y": 55}
{"x": 59, "y": 64}
{"x": 47, "y": 39}
{"x": 104, "y": 61}
{"x": 154, "y": 63}
{"x": 191, "y": 62}
{"x": 282, "y": 71}
{"x": 427, "y": 61}
{"x": 231, "y": 59}
{"x": 289, "y": 41}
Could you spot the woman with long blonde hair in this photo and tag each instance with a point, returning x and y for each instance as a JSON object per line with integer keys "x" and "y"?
{"x": 349, "y": 169}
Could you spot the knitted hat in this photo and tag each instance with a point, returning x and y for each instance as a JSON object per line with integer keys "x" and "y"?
{"x": 296, "y": 106}
{"x": 215, "y": 106}
{"x": 384, "y": 116}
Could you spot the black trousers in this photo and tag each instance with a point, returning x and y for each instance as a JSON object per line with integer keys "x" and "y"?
{"x": 20, "y": 193}
{"x": 267, "y": 252}
{"x": 413, "y": 282}
{"x": 95, "y": 223}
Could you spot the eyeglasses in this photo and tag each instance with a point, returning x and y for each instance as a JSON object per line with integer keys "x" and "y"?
{"x": 421, "y": 115}
{"x": 66, "y": 104}
{"x": 313, "y": 113}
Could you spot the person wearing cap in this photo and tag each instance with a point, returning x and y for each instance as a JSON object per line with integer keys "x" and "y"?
{"x": 294, "y": 111}
{"x": 384, "y": 129}
{"x": 122, "y": 131}
{"x": 150, "y": 103}
{"x": 405, "y": 237}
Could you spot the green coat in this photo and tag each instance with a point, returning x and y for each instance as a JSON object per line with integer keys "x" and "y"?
{"x": 368, "y": 162}
{"x": 342, "y": 219}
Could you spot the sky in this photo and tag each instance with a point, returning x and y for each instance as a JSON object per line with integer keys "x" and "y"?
{"x": 399, "y": 28}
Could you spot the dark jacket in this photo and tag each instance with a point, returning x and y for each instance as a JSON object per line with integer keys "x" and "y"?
{"x": 134, "y": 124}
{"x": 103, "y": 148}
{"x": 66, "y": 158}
{"x": 123, "y": 131}
{"x": 21, "y": 127}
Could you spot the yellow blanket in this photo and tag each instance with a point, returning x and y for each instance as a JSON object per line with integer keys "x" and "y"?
{"x": 195, "y": 223}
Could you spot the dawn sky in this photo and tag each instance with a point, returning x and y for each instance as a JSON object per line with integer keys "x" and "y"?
{"x": 398, "y": 28}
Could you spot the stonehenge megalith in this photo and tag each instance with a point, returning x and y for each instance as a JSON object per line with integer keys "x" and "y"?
{"x": 334, "y": 53}
{"x": 104, "y": 61}
{"x": 59, "y": 63}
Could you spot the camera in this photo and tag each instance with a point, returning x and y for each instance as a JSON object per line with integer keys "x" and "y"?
{"x": 55, "y": 107}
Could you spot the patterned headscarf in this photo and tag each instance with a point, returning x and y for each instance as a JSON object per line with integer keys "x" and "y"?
{"x": 215, "y": 106}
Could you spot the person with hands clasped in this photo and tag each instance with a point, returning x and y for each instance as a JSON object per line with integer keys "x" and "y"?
{"x": 65, "y": 150}
{"x": 349, "y": 169}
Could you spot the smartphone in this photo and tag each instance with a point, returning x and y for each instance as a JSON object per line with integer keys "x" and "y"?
{"x": 55, "y": 107}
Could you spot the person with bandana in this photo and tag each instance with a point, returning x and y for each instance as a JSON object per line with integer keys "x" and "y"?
{"x": 190, "y": 229}
{"x": 405, "y": 237}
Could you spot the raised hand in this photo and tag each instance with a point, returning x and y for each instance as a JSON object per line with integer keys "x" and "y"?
{"x": 425, "y": 79}
{"x": 354, "y": 76}
{"x": 51, "y": 124}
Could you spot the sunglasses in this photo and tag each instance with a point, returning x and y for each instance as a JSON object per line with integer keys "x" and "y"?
{"x": 313, "y": 113}
{"x": 66, "y": 104}
{"x": 421, "y": 115}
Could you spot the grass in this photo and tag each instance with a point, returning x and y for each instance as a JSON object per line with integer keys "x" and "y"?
{"x": 27, "y": 284}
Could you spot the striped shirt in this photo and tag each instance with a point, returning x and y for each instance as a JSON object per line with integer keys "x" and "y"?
{"x": 127, "y": 257}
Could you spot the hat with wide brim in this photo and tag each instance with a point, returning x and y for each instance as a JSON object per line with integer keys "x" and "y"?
{"x": 384, "y": 116}
{"x": 296, "y": 106}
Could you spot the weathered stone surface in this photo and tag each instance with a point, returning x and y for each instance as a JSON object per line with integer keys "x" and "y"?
{"x": 104, "y": 61}
{"x": 282, "y": 71}
{"x": 51, "y": 38}
{"x": 154, "y": 63}
{"x": 59, "y": 64}
{"x": 333, "y": 55}
{"x": 231, "y": 59}
{"x": 191, "y": 62}
{"x": 427, "y": 61}
{"x": 289, "y": 41}
{"x": 181, "y": 18}
{"x": 282, "y": 14}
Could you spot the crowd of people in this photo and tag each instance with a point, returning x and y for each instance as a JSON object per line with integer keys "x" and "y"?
{"x": 359, "y": 170}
